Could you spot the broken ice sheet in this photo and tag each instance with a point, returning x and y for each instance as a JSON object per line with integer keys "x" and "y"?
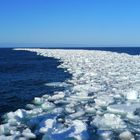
{"x": 103, "y": 100}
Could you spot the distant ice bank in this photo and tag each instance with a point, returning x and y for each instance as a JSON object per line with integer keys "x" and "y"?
{"x": 101, "y": 101}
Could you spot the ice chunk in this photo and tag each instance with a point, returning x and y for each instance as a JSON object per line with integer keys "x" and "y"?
{"x": 9, "y": 115}
{"x": 77, "y": 114}
{"x": 126, "y": 135}
{"x": 4, "y": 129}
{"x": 108, "y": 122}
{"x": 58, "y": 96}
{"x": 69, "y": 110}
{"x": 58, "y": 110}
{"x": 132, "y": 95}
{"x": 123, "y": 108}
{"x": 21, "y": 113}
{"x": 48, "y": 124}
{"x": 77, "y": 130}
{"x": 47, "y": 106}
{"x": 46, "y": 96}
{"x": 132, "y": 117}
{"x": 105, "y": 135}
{"x": 22, "y": 138}
{"x": 30, "y": 106}
{"x": 104, "y": 100}
{"x": 28, "y": 134}
{"x": 57, "y": 84}
{"x": 38, "y": 101}
{"x": 80, "y": 132}
{"x": 80, "y": 98}
{"x": 18, "y": 114}
{"x": 35, "y": 111}
{"x": 90, "y": 109}
{"x": 3, "y": 137}
{"x": 14, "y": 132}
{"x": 61, "y": 102}
{"x": 13, "y": 122}
{"x": 60, "y": 134}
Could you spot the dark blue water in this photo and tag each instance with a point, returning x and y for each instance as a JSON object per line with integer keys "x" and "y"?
{"x": 23, "y": 75}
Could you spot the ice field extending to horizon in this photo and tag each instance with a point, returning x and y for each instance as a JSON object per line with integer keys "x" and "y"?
{"x": 100, "y": 102}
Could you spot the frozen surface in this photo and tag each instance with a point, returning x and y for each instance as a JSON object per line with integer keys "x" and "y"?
{"x": 102, "y": 99}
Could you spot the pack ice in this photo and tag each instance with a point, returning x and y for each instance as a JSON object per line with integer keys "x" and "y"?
{"x": 100, "y": 101}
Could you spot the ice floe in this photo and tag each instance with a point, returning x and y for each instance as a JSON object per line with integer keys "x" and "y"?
{"x": 100, "y": 101}
{"x": 109, "y": 122}
{"x": 126, "y": 136}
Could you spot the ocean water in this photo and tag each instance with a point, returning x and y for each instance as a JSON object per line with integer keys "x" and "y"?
{"x": 23, "y": 76}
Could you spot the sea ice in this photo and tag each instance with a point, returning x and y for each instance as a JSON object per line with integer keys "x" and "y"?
{"x": 47, "y": 106}
{"x": 101, "y": 98}
{"x": 38, "y": 101}
{"x": 28, "y": 134}
{"x": 123, "y": 109}
{"x": 126, "y": 135}
{"x": 109, "y": 122}
{"x": 132, "y": 95}
{"x": 57, "y": 96}
{"x": 103, "y": 101}
{"x": 77, "y": 130}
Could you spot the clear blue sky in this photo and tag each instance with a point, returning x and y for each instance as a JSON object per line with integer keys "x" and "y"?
{"x": 92, "y": 22}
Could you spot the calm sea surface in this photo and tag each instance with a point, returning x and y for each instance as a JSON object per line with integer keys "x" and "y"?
{"x": 23, "y": 76}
